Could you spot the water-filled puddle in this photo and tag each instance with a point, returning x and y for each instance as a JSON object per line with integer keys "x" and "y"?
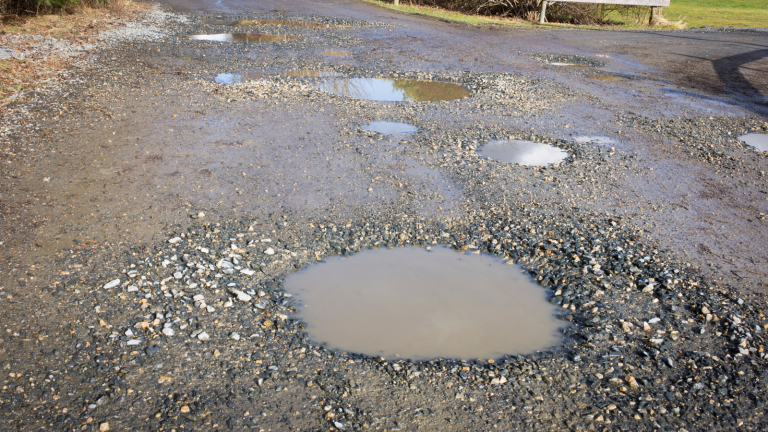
{"x": 523, "y": 152}
{"x": 567, "y": 64}
{"x": 337, "y": 53}
{"x": 389, "y": 128}
{"x": 254, "y": 22}
{"x": 605, "y": 77}
{"x": 758, "y": 141}
{"x": 594, "y": 140}
{"x": 242, "y": 37}
{"x": 237, "y": 78}
{"x": 388, "y": 89}
{"x": 411, "y": 303}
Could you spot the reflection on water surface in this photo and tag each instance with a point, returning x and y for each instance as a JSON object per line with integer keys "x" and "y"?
{"x": 523, "y": 152}
{"x": 389, "y": 89}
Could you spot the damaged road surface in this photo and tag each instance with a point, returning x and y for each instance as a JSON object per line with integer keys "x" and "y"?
{"x": 152, "y": 214}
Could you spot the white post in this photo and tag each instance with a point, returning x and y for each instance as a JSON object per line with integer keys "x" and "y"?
{"x": 397, "y": 2}
{"x": 542, "y": 18}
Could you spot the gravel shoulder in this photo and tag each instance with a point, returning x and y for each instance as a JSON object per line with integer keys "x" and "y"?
{"x": 139, "y": 291}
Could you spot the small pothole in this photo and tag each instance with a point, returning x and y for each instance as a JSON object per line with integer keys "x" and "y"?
{"x": 389, "y": 128}
{"x": 394, "y": 90}
{"x": 522, "y": 152}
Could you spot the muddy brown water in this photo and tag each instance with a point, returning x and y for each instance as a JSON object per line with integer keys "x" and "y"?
{"x": 523, "y": 152}
{"x": 394, "y": 90}
{"x": 389, "y": 128}
{"x": 758, "y": 141}
{"x": 412, "y": 303}
{"x": 337, "y": 53}
{"x": 605, "y": 77}
{"x": 242, "y": 37}
{"x": 254, "y": 22}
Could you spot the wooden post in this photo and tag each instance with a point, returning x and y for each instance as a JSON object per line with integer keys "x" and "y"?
{"x": 543, "y": 17}
{"x": 655, "y": 15}
{"x": 397, "y": 2}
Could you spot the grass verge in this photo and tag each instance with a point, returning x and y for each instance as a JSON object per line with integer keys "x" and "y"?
{"x": 681, "y": 13}
{"x": 81, "y": 25}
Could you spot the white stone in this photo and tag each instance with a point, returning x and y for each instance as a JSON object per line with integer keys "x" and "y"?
{"x": 269, "y": 251}
{"x": 112, "y": 284}
{"x": 168, "y": 331}
{"x": 235, "y": 336}
{"x": 203, "y": 336}
{"x": 174, "y": 240}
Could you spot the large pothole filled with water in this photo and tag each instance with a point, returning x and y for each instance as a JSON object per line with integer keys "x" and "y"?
{"x": 394, "y": 90}
{"x": 523, "y": 152}
{"x": 412, "y": 303}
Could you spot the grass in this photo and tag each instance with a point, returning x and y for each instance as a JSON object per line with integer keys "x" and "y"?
{"x": 449, "y": 15}
{"x": 719, "y": 13}
{"x": 694, "y": 13}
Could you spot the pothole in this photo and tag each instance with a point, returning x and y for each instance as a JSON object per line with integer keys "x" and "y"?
{"x": 522, "y": 152}
{"x": 236, "y": 78}
{"x": 568, "y": 64}
{"x": 389, "y": 128}
{"x": 758, "y": 141}
{"x": 605, "y": 77}
{"x": 242, "y": 37}
{"x": 388, "y": 89}
{"x": 595, "y": 139}
{"x": 258, "y": 22}
{"x": 411, "y": 303}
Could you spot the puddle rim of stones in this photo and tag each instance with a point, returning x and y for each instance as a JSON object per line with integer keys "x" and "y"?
{"x": 530, "y": 263}
{"x": 558, "y": 333}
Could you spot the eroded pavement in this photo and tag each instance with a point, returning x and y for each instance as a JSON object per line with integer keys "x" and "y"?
{"x": 200, "y": 198}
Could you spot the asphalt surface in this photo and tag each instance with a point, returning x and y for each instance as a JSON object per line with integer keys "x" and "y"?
{"x": 654, "y": 242}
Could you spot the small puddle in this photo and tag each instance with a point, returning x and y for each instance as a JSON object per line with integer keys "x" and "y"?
{"x": 254, "y": 22}
{"x": 522, "y": 152}
{"x": 236, "y": 78}
{"x": 568, "y": 64}
{"x": 338, "y": 53}
{"x": 411, "y": 303}
{"x": 388, "y": 89}
{"x": 389, "y": 128}
{"x": 758, "y": 141}
{"x": 594, "y": 140}
{"x": 242, "y": 37}
{"x": 605, "y": 77}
